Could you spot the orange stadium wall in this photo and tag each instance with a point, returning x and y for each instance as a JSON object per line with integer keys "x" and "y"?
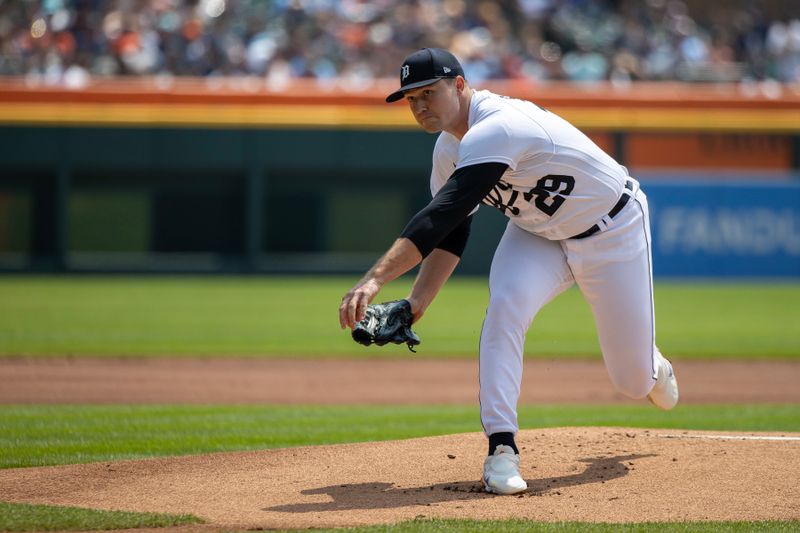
{"x": 710, "y": 151}
{"x": 136, "y": 175}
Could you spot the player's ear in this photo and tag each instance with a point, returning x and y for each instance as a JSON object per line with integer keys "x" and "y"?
{"x": 460, "y": 84}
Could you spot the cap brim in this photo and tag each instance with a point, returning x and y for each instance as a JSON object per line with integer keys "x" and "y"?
{"x": 398, "y": 94}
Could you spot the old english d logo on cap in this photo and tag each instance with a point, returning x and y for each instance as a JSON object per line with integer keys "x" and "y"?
{"x": 425, "y": 67}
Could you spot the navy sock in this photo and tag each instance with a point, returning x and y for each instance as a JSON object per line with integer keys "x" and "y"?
{"x": 496, "y": 439}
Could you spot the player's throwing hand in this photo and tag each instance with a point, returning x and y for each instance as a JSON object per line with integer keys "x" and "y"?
{"x": 355, "y": 302}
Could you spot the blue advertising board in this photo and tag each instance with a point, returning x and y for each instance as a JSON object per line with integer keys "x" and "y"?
{"x": 725, "y": 229}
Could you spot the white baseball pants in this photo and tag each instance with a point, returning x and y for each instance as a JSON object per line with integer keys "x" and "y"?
{"x": 613, "y": 271}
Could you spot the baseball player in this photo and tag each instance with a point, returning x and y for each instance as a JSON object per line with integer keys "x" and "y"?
{"x": 575, "y": 216}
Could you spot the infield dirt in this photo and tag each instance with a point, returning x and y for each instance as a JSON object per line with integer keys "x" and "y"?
{"x": 363, "y": 381}
{"x": 583, "y": 474}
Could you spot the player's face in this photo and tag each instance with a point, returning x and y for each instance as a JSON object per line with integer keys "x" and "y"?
{"x": 435, "y": 107}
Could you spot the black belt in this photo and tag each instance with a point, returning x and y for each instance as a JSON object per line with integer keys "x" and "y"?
{"x": 623, "y": 200}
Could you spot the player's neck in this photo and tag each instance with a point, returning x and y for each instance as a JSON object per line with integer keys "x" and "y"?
{"x": 461, "y": 125}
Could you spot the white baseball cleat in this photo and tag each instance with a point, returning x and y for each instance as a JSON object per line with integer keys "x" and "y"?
{"x": 665, "y": 392}
{"x": 501, "y": 472}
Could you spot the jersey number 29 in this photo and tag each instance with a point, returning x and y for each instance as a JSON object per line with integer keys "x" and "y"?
{"x": 549, "y": 192}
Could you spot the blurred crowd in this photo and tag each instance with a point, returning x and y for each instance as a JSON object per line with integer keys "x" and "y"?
{"x": 71, "y": 41}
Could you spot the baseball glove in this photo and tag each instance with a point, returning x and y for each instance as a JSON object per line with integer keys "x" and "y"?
{"x": 387, "y": 322}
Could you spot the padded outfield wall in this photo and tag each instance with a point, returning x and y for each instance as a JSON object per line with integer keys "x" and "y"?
{"x": 137, "y": 177}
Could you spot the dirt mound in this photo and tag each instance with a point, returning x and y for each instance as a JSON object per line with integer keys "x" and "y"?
{"x": 584, "y": 474}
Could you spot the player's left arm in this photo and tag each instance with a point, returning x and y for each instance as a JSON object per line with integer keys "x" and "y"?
{"x": 423, "y": 234}
{"x": 401, "y": 257}
{"x": 437, "y": 268}
{"x": 434, "y": 272}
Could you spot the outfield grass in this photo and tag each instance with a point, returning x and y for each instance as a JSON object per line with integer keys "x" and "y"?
{"x": 278, "y": 316}
{"x": 64, "y": 434}
{"x": 25, "y": 517}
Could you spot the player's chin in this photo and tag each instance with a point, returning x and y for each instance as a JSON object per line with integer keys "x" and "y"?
{"x": 430, "y": 126}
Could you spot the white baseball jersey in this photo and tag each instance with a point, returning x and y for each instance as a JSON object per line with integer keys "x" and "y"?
{"x": 558, "y": 182}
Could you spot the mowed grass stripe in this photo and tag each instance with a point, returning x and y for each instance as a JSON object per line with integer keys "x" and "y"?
{"x": 280, "y": 316}
{"x": 67, "y": 434}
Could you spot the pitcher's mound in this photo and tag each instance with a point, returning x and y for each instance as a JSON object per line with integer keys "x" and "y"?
{"x": 582, "y": 474}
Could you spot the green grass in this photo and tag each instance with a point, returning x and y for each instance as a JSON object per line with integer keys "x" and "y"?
{"x": 278, "y": 316}
{"x": 65, "y": 434}
{"x": 525, "y": 526}
{"x": 26, "y": 517}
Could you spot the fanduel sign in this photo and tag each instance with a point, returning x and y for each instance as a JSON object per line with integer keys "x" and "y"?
{"x": 725, "y": 229}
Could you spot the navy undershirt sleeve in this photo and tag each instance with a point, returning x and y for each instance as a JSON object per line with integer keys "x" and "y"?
{"x": 452, "y": 205}
{"x": 456, "y": 240}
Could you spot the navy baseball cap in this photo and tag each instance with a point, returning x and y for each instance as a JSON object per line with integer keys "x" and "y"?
{"x": 425, "y": 67}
